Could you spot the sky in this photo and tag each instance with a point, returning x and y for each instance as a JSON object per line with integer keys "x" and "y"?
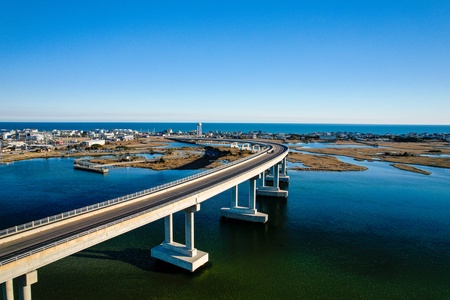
{"x": 357, "y": 62}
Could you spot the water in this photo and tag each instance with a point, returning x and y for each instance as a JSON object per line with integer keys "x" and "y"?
{"x": 149, "y": 156}
{"x": 178, "y": 145}
{"x": 231, "y": 127}
{"x": 378, "y": 234}
{"x": 437, "y": 155}
{"x": 327, "y": 145}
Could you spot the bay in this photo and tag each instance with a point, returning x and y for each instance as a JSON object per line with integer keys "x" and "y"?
{"x": 381, "y": 233}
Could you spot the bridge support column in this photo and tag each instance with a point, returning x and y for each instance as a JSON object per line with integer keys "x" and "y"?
{"x": 168, "y": 229}
{"x": 184, "y": 256}
{"x": 263, "y": 178}
{"x": 7, "y": 289}
{"x": 273, "y": 191}
{"x": 282, "y": 175}
{"x": 25, "y": 282}
{"x": 234, "y": 196}
{"x": 284, "y": 167}
{"x": 189, "y": 229}
{"x": 276, "y": 175}
{"x": 244, "y": 213}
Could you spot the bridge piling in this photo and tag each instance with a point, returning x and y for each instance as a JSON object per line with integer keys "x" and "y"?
{"x": 25, "y": 282}
{"x": 189, "y": 229}
{"x": 283, "y": 166}
{"x": 275, "y": 177}
{"x": 8, "y": 290}
{"x": 249, "y": 213}
{"x": 263, "y": 179}
{"x": 234, "y": 196}
{"x": 184, "y": 256}
{"x": 168, "y": 229}
{"x": 282, "y": 174}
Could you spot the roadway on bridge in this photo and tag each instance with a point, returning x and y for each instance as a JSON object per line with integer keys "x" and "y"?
{"x": 35, "y": 241}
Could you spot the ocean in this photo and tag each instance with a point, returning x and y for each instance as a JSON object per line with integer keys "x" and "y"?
{"x": 231, "y": 127}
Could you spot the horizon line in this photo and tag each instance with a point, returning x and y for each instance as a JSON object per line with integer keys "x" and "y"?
{"x": 236, "y": 122}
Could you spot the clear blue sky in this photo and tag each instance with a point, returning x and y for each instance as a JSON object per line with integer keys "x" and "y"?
{"x": 315, "y": 61}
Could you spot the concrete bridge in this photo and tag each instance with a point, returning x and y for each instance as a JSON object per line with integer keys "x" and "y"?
{"x": 253, "y": 146}
{"x": 27, "y": 247}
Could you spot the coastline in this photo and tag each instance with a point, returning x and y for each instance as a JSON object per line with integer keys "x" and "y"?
{"x": 313, "y": 159}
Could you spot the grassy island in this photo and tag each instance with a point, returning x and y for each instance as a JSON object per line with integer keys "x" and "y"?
{"x": 410, "y": 169}
{"x": 321, "y": 163}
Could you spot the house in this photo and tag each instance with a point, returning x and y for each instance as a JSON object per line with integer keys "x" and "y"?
{"x": 90, "y": 143}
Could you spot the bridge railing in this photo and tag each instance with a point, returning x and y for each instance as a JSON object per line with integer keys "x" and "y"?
{"x": 12, "y": 259}
{"x": 78, "y": 211}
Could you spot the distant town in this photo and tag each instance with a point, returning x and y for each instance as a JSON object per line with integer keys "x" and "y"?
{"x": 34, "y": 140}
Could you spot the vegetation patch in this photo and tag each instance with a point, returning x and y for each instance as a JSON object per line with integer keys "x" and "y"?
{"x": 410, "y": 169}
{"x": 184, "y": 159}
{"x": 322, "y": 163}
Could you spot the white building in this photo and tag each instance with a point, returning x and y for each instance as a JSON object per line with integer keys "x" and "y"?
{"x": 127, "y": 137}
{"x": 36, "y": 137}
{"x": 16, "y": 145}
{"x": 6, "y": 136}
{"x": 199, "y": 129}
{"x": 94, "y": 142}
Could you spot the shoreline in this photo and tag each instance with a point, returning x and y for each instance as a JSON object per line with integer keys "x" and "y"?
{"x": 410, "y": 169}
{"x": 317, "y": 159}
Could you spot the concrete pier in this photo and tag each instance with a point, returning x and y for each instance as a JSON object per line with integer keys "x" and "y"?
{"x": 25, "y": 282}
{"x": 282, "y": 175}
{"x": 183, "y": 256}
{"x": 270, "y": 191}
{"x": 90, "y": 169}
{"x": 256, "y": 148}
{"x": 8, "y": 290}
{"x": 273, "y": 191}
{"x": 249, "y": 213}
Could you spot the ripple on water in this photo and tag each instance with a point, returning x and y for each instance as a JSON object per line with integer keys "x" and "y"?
{"x": 367, "y": 235}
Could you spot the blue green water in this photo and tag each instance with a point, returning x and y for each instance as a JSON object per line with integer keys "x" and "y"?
{"x": 379, "y": 234}
{"x": 300, "y": 128}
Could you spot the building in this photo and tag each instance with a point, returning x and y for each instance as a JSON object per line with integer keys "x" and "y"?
{"x": 36, "y": 137}
{"x": 94, "y": 142}
{"x": 199, "y": 129}
{"x": 126, "y": 137}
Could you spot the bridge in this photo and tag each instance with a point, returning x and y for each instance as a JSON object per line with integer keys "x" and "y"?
{"x": 27, "y": 247}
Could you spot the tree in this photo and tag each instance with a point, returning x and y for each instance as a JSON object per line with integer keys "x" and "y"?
{"x": 96, "y": 147}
